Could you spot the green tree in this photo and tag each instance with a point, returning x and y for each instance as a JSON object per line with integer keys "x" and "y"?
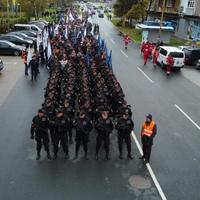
{"x": 138, "y": 10}
{"x": 121, "y": 7}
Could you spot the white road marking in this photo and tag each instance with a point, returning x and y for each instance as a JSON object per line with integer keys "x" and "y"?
{"x": 144, "y": 74}
{"x": 112, "y": 41}
{"x": 187, "y": 116}
{"x": 149, "y": 169}
{"x": 123, "y": 53}
{"x": 10, "y": 63}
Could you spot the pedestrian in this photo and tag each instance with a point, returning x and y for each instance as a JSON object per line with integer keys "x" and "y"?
{"x": 104, "y": 128}
{"x": 124, "y": 127}
{"x": 61, "y": 134}
{"x": 155, "y": 54}
{"x": 146, "y": 53}
{"x": 39, "y": 131}
{"x": 83, "y": 126}
{"x": 24, "y": 57}
{"x": 126, "y": 40}
{"x": 170, "y": 63}
{"x": 148, "y": 132}
{"x": 34, "y": 67}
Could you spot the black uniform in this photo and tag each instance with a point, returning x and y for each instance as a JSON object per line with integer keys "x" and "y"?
{"x": 104, "y": 127}
{"x": 34, "y": 68}
{"x": 83, "y": 127}
{"x": 124, "y": 128}
{"x": 61, "y": 134}
{"x": 39, "y": 129}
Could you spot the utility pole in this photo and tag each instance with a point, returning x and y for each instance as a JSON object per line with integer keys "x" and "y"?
{"x": 162, "y": 15}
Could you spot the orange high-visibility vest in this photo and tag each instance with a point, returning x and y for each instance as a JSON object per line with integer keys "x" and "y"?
{"x": 148, "y": 129}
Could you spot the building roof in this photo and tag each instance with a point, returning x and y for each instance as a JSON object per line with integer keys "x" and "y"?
{"x": 143, "y": 26}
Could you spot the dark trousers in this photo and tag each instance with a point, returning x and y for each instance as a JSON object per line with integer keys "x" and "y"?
{"x": 26, "y": 69}
{"x": 33, "y": 74}
{"x": 100, "y": 140}
{"x": 60, "y": 137}
{"x": 127, "y": 139}
{"x": 82, "y": 138}
{"x": 42, "y": 139}
{"x": 146, "y": 146}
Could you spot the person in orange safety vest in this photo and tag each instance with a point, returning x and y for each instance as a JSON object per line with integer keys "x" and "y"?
{"x": 170, "y": 63}
{"x": 148, "y": 132}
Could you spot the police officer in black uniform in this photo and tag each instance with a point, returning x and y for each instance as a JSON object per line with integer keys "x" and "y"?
{"x": 104, "y": 127}
{"x": 34, "y": 65}
{"x": 83, "y": 126}
{"x": 124, "y": 127}
{"x": 61, "y": 133}
{"x": 39, "y": 131}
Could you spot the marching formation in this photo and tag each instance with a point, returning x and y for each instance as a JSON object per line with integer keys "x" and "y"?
{"x": 82, "y": 94}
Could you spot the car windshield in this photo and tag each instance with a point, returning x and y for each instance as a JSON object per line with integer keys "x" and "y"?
{"x": 177, "y": 54}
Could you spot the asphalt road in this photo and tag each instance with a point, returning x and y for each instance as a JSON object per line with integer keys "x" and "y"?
{"x": 22, "y": 177}
{"x": 175, "y": 105}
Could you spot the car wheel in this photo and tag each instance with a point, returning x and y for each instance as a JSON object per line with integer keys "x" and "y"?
{"x": 16, "y": 53}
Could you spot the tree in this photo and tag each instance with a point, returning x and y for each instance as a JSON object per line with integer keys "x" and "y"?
{"x": 121, "y": 7}
{"x": 138, "y": 11}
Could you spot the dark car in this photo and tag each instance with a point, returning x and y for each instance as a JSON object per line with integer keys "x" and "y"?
{"x": 198, "y": 64}
{"x": 17, "y": 40}
{"x": 192, "y": 55}
{"x": 22, "y": 35}
{"x": 1, "y": 65}
{"x": 8, "y": 48}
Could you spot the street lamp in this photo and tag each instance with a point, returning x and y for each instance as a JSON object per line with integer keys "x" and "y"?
{"x": 20, "y": 11}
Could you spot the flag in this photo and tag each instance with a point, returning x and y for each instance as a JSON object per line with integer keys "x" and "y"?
{"x": 39, "y": 40}
{"x": 29, "y": 56}
{"x": 49, "y": 51}
{"x": 110, "y": 60}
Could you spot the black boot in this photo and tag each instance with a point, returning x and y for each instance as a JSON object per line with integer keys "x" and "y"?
{"x": 107, "y": 156}
{"x": 48, "y": 155}
{"x": 66, "y": 156}
{"x": 55, "y": 156}
{"x": 142, "y": 157}
{"x": 38, "y": 156}
{"x": 85, "y": 156}
{"x": 129, "y": 156}
{"x": 76, "y": 156}
{"x": 96, "y": 156}
{"x": 120, "y": 156}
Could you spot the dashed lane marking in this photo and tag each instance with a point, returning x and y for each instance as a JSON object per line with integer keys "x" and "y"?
{"x": 145, "y": 75}
{"x": 124, "y": 53}
{"x": 112, "y": 41}
{"x": 187, "y": 116}
{"x": 149, "y": 169}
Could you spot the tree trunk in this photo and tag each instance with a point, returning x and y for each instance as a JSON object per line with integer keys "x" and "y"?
{"x": 149, "y": 8}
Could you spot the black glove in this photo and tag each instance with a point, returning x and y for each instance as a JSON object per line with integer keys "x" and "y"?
{"x": 32, "y": 137}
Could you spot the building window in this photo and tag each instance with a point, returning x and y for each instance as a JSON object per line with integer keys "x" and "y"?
{"x": 191, "y": 3}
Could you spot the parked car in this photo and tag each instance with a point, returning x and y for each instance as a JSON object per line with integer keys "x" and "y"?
{"x": 29, "y": 33}
{"x": 176, "y": 53}
{"x": 1, "y": 64}
{"x": 41, "y": 25}
{"x": 17, "y": 40}
{"x": 198, "y": 64}
{"x": 30, "y": 27}
{"x": 22, "y": 35}
{"x": 8, "y": 48}
{"x": 192, "y": 55}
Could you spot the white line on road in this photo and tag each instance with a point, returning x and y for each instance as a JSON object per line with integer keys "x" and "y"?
{"x": 144, "y": 74}
{"x": 187, "y": 116}
{"x": 10, "y": 63}
{"x": 112, "y": 41}
{"x": 150, "y": 169}
{"x": 123, "y": 53}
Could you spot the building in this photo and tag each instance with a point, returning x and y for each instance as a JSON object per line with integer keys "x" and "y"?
{"x": 189, "y": 22}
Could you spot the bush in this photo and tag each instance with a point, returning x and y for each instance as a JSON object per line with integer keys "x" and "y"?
{"x": 119, "y": 23}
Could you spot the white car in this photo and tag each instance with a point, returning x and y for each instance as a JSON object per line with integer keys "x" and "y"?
{"x": 176, "y": 53}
